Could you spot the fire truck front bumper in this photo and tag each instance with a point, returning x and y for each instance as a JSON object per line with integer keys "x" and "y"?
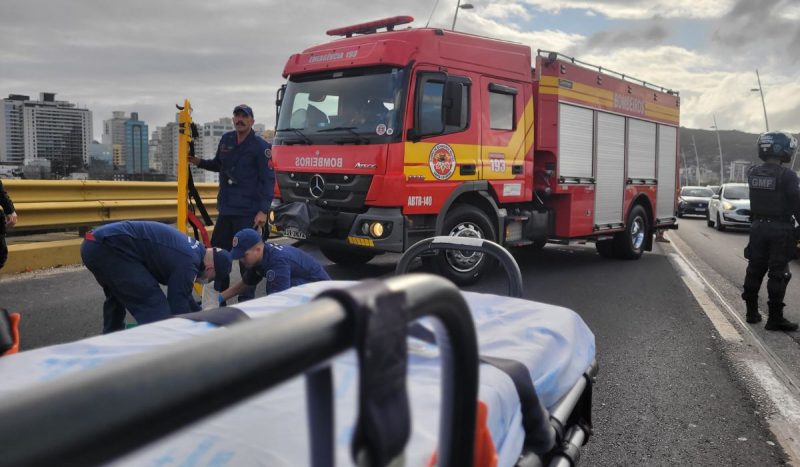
{"x": 381, "y": 229}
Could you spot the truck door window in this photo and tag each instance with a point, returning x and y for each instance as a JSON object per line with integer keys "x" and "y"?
{"x": 501, "y": 107}
{"x": 430, "y": 108}
{"x": 442, "y": 104}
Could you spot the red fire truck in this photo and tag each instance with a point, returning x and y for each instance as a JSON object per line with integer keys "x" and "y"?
{"x": 386, "y": 138}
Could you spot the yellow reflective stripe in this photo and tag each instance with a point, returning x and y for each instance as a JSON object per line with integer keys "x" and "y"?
{"x": 360, "y": 241}
{"x": 417, "y": 155}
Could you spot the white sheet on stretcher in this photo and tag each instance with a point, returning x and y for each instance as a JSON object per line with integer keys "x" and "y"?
{"x": 271, "y": 429}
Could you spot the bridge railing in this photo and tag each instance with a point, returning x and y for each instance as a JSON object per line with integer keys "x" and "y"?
{"x": 55, "y": 205}
{"x": 58, "y": 204}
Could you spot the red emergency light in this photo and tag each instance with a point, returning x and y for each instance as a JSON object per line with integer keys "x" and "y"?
{"x": 370, "y": 27}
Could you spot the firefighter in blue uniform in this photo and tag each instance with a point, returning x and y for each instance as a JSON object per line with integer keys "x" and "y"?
{"x": 130, "y": 259}
{"x": 8, "y": 219}
{"x": 283, "y": 266}
{"x": 246, "y": 183}
{"x": 774, "y": 199}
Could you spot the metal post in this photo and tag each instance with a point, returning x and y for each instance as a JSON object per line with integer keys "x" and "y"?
{"x": 184, "y": 137}
{"x": 697, "y": 160}
{"x": 763, "y": 103}
{"x": 719, "y": 145}
{"x": 455, "y": 16}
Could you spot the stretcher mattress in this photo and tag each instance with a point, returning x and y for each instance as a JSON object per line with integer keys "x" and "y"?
{"x": 271, "y": 428}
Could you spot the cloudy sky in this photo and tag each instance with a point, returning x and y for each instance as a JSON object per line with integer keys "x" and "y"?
{"x": 148, "y": 55}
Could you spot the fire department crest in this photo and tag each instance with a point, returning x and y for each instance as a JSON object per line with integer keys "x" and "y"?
{"x": 442, "y": 161}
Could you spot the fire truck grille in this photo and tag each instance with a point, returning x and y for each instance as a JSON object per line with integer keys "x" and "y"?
{"x": 335, "y": 191}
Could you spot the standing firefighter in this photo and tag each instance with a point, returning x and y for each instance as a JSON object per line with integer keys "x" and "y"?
{"x": 8, "y": 219}
{"x": 246, "y": 183}
{"x": 774, "y": 199}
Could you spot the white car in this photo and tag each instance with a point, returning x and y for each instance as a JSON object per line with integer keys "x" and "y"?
{"x": 730, "y": 208}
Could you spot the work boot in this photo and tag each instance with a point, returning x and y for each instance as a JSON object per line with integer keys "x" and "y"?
{"x": 776, "y": 321}
{"x": 753, "y": 316}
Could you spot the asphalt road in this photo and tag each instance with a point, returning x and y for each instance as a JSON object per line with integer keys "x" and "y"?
{"x": 666, "y": 394}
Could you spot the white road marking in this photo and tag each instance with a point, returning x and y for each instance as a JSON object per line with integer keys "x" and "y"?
{"x": 784, "y": 423}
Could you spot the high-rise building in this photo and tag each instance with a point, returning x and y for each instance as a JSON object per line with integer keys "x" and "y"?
{"x": 168, "y": 149}
{"x": 47, "y": 129}
{"x": 130, "y": 134}
{"x": 206, "y": 147}
{"x": 154, "y": 157}
{"x": 100, "y": 161}
{"x": 136, "y": 147}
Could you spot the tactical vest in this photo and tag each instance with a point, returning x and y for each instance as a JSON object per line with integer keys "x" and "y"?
{"x": 766, "y": 193}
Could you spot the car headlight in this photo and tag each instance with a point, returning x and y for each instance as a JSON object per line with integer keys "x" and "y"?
{"x": 681, "y": 201}
{"x": 728, "y": 206}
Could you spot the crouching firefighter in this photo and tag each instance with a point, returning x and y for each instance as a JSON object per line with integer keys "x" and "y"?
{"x": 774, "y": 201}
{"x": 130, "y": 259}
{"x": 282, "y": 266}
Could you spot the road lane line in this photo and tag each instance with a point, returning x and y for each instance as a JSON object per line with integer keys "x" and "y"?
{"x": 722, "y": 325}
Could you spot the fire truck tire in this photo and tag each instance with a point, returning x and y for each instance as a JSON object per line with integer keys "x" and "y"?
{"x": 344, "y": 256}
{"x": 629, "y": 244}
{"x": 605, "y": 248}
{"x": 464, "y": 268}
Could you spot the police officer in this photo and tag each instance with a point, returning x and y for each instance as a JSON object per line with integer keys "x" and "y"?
{"x": 130, "y": 259}
{"x": 283, "y": 266}
{"x": 246, "y": 183}
{"x": 8, "y": 219}
{"x": 774, "y": 199}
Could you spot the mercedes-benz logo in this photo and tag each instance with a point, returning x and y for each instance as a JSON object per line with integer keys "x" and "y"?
{"x": 316, "y": 186}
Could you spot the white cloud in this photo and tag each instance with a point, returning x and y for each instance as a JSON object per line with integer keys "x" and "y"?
{"x": 640, "y": 9}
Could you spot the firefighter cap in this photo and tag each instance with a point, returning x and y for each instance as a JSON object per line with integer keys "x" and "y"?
{"x": 244, "y": 108}
{"x": 243, "y": 241}
{"x": 222, "y": 265}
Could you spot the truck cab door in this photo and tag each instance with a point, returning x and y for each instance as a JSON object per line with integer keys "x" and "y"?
{"x": 443, "y": 146}
{"x": 504, "y": 146}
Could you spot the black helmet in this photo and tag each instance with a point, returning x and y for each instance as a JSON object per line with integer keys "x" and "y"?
{"x": 779, "y": 144}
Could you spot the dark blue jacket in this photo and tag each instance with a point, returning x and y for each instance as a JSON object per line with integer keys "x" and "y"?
{"x": 284, "y": 266}
{"x": 172, "y": 257}
{"x": 246, "y": 178}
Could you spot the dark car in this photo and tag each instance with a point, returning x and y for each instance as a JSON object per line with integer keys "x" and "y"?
{"x": 694, "y": 200}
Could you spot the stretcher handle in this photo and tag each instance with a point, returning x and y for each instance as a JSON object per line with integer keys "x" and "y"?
{"x": 444, "y": 242}
{"x": 92, "y": 417}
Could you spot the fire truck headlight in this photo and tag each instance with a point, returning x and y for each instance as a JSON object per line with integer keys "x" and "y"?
{"x": 376, "y": 229}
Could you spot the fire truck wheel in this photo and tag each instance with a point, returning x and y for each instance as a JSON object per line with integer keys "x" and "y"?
{"x": 344, "y": 256}
{"x": 605, "y": 248}
{"x": 465, "y": 267}
{"x": 629, "y": 244}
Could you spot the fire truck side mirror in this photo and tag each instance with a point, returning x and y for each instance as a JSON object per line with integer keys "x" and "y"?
{"x": 453, "y": 98}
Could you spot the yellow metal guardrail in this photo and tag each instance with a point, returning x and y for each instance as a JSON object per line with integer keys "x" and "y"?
{"x": 59, "y": 204}
{"x": 46, "y": 204}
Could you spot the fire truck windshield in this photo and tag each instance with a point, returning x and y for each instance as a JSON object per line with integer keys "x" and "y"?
{"x": 358, "y": 106}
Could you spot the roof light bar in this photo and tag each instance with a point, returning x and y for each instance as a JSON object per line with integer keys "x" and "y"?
{"x": 370, "y": 27}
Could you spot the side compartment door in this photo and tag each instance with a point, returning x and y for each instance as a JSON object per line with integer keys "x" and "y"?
{"x": 610, "y": 182}
{"x": 667, "y": 166}
{"x": 575, "y": 142}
